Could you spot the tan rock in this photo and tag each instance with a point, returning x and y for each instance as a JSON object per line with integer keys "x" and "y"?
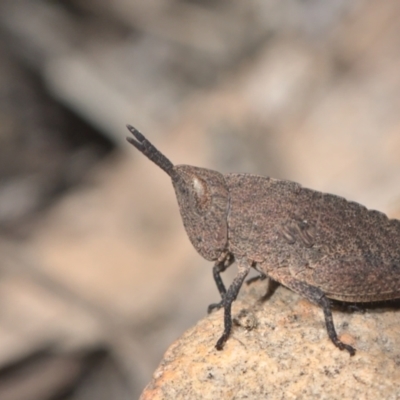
{"x": 280, "y": 350}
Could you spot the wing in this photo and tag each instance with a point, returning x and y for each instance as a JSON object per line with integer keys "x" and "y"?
{"x": 357, "y": 280}
{"x": 346, "y": 250}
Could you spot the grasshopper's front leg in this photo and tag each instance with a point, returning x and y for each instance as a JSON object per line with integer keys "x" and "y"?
{"x": 244, "y": 266}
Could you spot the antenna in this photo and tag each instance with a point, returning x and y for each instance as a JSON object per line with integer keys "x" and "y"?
{"x": 145, "y": 147}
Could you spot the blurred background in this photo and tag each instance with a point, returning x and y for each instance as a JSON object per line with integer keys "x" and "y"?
{"x": 97, "y": 276}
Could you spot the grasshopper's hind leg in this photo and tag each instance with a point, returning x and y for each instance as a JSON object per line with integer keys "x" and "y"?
{"x": 318, "y": 297}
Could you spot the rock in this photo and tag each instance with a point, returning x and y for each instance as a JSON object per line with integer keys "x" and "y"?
{"x": 279, "y": 348}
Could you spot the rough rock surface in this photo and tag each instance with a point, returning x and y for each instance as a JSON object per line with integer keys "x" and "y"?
{"x": 279, "y": 349}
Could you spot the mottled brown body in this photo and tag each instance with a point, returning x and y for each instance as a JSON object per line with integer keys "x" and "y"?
{"x": 341, "y": 247}
{"x": 319, "y": 245}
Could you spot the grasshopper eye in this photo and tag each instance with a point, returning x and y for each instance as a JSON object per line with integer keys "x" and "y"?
{"x": 201, "y": 194}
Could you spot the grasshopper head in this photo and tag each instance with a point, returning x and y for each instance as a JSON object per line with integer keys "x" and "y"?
{"x": 202, "y": 196}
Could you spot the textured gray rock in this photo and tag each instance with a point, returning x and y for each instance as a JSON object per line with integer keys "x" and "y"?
{"x": 279, "y": 349}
